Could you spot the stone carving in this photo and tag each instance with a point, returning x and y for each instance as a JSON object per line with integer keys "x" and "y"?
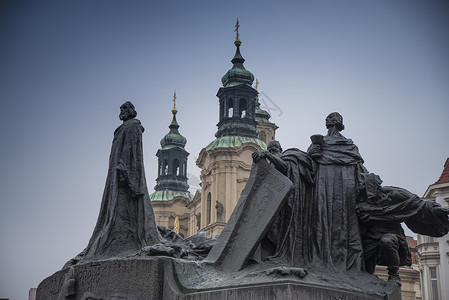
{"x": 198, "y": 221}
{"x": 381, "y": 210}
{"x": 219, "y": 208}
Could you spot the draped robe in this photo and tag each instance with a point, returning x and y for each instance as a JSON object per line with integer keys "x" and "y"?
{"x": 392, "y": 206}
{"x": 290, "y": 232}
{"x": 336, "y": 236}
{"x": 126, "y": 220}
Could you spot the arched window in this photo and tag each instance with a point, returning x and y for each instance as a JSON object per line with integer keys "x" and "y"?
{"x": 165, "y": 167}
{"x": 176, "y": 167}
{"x": 230, "y": 108}
{"x": 263, "y": 137}
{"x": 243, "y": 107}
{"x": 209, "y": 208}
{"x": 222, "y": 109}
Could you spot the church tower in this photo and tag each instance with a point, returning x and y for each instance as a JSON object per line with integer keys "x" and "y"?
{"x": 226, "y": 162}
{"x": 266, "y": 129}
{"x": 172, "y": 195}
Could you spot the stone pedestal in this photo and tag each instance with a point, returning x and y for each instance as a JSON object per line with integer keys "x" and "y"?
{"x": 169, "y": 279}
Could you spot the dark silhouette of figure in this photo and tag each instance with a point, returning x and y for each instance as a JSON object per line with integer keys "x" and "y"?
{"x": 381, "y": 211}
{"x": 336, "y": 236}
{"x": 126, "y": 220}
{"x": 288, "y": 239}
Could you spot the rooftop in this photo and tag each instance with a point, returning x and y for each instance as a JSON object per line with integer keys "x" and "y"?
{"x": 444, "y": 178}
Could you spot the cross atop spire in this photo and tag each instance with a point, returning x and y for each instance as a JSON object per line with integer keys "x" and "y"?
{"x": 174, "y": 110}
{"x": 237, "y": 35}
{"x": 237, "y": 25}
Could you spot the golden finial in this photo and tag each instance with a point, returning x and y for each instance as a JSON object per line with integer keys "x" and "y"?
{"x": 257, "y": 84}
{"x": 174, "y": 110}
{"x": 237, "y": 41}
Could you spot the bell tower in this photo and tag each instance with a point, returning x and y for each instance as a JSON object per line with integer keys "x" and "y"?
{"x": 172, "y": 196}
{"x": 226, "y": 162}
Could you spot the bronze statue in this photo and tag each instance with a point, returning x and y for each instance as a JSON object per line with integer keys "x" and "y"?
{"x": 126, "y": 222}
{"x": 288, "y": 239}
{"x": 381, "y": 210}
{"x": 337, "y": 241}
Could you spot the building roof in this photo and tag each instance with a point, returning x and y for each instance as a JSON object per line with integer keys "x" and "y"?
{"x": 444, "y": 178}
{"x": 232, "y": 141}
{"x": 167, "y": 195}
{"x": 173, "y": 138}
{"x": 237, "y": 74}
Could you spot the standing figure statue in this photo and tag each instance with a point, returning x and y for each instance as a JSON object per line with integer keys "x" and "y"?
{"x": 336, "y": 241}
{"x": 126, "y": 221}
{"x": 381, "y": 211}
{"x": 288, "y": 239}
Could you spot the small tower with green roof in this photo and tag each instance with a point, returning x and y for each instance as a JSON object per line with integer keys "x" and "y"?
{"x": 266, "y": 129}
{"x": 226, "y": 162}
{"x": 172, "y": 176}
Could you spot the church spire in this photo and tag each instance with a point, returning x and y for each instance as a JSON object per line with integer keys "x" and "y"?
{"x": 172, "y": 174}
{"x": 237, "y": 74}
{"x": 237, "y": 98}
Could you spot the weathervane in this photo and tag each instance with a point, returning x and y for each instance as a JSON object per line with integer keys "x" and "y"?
{"x": 174, "y": 110}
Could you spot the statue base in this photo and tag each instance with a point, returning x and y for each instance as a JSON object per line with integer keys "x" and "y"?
{"x": 167, "y": 278}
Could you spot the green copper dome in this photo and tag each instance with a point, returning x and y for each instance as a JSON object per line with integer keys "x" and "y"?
{"x": 238, "y": 74}
{"x": 173, "y": 138}
{"x": 232, "y": 141}
{"x": 168, "y": 195}
{"x": 261, "y": 116}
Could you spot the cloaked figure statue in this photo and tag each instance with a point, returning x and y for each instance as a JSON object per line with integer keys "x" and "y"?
{"x": 336, "y": 241}
{"x": 381, "y": 210}
{"x": 126, "y": 225}
{"x": 126, "y": 221}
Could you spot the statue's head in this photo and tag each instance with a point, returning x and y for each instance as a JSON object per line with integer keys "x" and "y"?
{"x": 335, "y": 119}
{"x": 274, "y": 147}
{"x": 127, "y": 111}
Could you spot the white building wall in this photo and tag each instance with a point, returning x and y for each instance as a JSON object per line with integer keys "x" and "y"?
{"x": 434, "y": 252}
{"x": 443, "y": 199}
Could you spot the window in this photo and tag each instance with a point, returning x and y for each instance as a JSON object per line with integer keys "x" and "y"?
{"x": 263, "y": 137}
{"x": 230, "y": 108}
{"x": 433, "y": 283}
{"x": 209, "y": 208}
{"x": 176, "y": 167}
{"x": 243, "y": 106}
{"x": 165, "y": 167}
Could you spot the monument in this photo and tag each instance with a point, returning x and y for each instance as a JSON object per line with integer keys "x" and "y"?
{"x": 294, "y": 232}
{"x": 308, "y": 225}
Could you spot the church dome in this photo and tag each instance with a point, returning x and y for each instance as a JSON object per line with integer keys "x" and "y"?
{"x": 237, "y": 74}
{"x": 173, "y": 138}
{"x": 261, "y": 116}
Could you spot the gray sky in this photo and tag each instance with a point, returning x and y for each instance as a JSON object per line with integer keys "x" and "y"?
{"x": 67, "y": 66}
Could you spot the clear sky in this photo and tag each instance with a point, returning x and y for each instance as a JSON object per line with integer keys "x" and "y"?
{"x": 67, "y": 66}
